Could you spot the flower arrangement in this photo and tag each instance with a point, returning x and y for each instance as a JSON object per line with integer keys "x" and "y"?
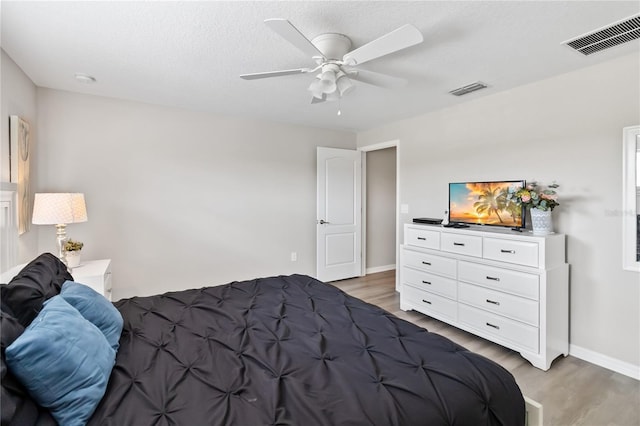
{"x": 536, "y": 196}
{"x": 71, "y": 245}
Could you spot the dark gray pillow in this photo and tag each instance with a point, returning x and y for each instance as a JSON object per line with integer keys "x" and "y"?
{"x": 17, "y": 406}
{"x": 40, "y": 280}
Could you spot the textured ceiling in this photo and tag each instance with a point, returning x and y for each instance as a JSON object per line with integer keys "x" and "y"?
{"x": 190, "y": 54}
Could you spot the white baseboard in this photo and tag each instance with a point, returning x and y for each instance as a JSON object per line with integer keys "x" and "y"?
{"x": 613, "y": 364}
{"x": 381, "y": 268}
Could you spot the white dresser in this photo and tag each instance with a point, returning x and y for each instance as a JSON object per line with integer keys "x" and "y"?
{"x": 508, "y": 287}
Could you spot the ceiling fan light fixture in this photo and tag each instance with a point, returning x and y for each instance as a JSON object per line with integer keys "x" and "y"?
{"x": 328, "y": 75}
{"x": 316, "y": 89}
{"x": 325, "y": 83}
{"x": 328, "y": 86}
{"x": 344, "y": 85}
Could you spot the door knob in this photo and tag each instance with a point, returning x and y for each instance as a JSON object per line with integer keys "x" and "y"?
{"x": 322, "y": 222}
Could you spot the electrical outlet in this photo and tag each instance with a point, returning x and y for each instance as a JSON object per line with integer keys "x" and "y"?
{"x": 294, "y": 256}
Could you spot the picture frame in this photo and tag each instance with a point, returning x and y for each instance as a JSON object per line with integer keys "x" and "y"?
{"x": 19, "y": 168}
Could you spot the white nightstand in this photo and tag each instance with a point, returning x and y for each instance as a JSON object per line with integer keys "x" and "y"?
{"x": 95, "y": 274}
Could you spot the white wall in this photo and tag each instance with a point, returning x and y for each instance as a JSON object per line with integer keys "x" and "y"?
{"x": 18, "y": 97}
{"x": 381, "y": 209}
{"x": 182, "y": 199}
{"x": 567, "y": 128}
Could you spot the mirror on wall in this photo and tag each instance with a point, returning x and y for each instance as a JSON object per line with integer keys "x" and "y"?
{"x": 631, "y": 199}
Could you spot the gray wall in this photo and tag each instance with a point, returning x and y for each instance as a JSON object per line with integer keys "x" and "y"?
{"x": 381, "y": 209}
{"x": 18, "y": 98}
{"x": 182, "y": 199}
{"x": 569, "y": 129}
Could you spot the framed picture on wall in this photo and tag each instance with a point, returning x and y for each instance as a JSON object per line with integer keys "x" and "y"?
{"x": 19, "y": 159}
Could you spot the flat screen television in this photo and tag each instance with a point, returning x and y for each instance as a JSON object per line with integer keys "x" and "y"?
{"x": 485, "y": 203}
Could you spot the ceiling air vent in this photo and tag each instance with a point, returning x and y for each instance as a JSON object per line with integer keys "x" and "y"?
{"x": 603, "y": 38}
{"x": 468, "y": 88}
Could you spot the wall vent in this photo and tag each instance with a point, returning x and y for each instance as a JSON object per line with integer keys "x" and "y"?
{"x": 468, "y": 88}
{"x": 603, "y": 38}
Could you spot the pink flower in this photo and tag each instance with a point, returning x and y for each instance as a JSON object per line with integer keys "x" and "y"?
{"x": 526, "y": 198}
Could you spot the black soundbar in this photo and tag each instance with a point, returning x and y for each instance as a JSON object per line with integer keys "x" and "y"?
{"x": 427, "y": 220}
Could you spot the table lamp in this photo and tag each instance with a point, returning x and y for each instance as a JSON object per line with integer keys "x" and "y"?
{"x": 59, "y": 209}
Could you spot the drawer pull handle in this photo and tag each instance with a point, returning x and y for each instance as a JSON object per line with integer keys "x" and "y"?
{"x": 493, "y": 302}
{"x": 458, "y": 244}
{"x": 422, "y": 238}
{"x": 493, "y": 278}
{"x": 493, "y": 326}
{"x": 426, "y": 263}
{"x": 507, "y": 251}
{"x": 426, "y": 282}
{"x": 426, "y": 301}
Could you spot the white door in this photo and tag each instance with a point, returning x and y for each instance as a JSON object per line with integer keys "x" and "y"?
{"x": 339, "y": 214}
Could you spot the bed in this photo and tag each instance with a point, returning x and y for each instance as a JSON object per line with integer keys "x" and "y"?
{"x": 287, "y": 350}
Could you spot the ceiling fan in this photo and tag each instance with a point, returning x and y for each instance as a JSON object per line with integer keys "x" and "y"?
{"x": 336, "y": 63}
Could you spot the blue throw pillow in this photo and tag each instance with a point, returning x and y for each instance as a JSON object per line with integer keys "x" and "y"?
{"x": 64, "y": 361}
{"x": 95, "y": 308}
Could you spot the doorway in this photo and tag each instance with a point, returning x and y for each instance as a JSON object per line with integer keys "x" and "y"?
{"x": 380, "y": 210}
{"x": 380, "y": 219}
{"x": 380, "y": 207}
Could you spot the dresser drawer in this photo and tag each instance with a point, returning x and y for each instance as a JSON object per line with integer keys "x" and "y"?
{"x": 430, "y": 303}
{"x": 430, "y": 282}
{"x": 470, "y": 245}
{"x": 422, "y": 238}
{"x": 430, "y": 263}
{"x": 514, "y": 282}
{"x": 517, "y": 334}
{"x": 518, "y": 308}
{"x": 518, "y": 252}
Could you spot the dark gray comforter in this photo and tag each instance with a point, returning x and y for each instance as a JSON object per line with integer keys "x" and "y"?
{"x": 291, "y": 350}
{"x": 286, "y": 350}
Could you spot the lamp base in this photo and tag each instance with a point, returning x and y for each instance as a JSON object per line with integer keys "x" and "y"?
{"x": 61, "y": 238}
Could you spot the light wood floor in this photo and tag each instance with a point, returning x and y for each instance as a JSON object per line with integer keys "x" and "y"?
{"x": 572, "y": 392}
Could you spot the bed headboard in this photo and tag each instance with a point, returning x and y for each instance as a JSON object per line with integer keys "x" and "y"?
{"x": 8, "y": 226}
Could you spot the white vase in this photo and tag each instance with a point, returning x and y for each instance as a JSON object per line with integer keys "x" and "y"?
{"x": 73, "y": 258}
{"x": 541, "y": 222}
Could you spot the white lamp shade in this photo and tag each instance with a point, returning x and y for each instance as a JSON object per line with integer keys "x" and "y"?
{"x": 328, "y": 76}
{"x": 59, "y": 208}
{"x": 344, "y": 85}
{"x": 316, "y": 89}
{"x": 328, "y": 86}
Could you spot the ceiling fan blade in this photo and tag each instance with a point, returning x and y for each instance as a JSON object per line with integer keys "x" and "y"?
{"x": 258, "y": 75}
{"x": 376, "y": 78}
{"x": 290, "y": 33}
{"x": 403, "y": 37}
